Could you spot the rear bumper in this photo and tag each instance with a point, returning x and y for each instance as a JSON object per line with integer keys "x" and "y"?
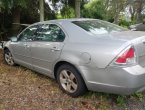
{"x": 118, "y": 80}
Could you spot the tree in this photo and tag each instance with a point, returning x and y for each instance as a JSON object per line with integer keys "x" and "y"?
{"x": 115, "y": 7}
{"x": 77, "y": 8}
{"x": 67, "y": 12}
{"x": 94, "y": 9}
{"x": 139, "y": 7}
{"x": 14, "y": 6}
{"x": 41, "y": 2}
{"x": 72, "y": 4}
{"x": 105, "y": 9}
{"x": 28, "y": 14}
{"x": 132, "y": 10}
{"x": 135, "y": 8}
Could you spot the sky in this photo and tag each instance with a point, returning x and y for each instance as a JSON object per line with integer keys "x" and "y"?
{"x": 50, "y": 4}
{"x": 59, "y": 5}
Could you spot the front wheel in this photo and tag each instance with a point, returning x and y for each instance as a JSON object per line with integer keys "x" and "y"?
{"x": 70, "y": 80}
{"x": 8, "y": 58}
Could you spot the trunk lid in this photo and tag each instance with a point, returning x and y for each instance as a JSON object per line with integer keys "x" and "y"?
{"x": 126, "y": 35}
{"x": 135, "y": 38}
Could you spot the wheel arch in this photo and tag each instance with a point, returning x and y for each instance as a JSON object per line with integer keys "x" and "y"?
{"x": 58, "y": 64}
{"x": 6, "y": 48}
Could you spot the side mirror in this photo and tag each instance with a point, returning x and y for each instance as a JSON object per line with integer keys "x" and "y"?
{"x": 13, "y": 39}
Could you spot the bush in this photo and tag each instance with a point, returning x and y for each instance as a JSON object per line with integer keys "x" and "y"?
{"x": 124, "y": 23}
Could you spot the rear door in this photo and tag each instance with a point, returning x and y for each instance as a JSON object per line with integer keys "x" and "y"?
{"x": 47, "y": 47}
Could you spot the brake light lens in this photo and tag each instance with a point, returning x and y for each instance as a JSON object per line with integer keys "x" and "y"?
{"x": 126, "y": 57}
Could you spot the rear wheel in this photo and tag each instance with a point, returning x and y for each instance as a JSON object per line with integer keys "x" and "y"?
{"x": 8, "y": 58}
{"x": 70, "y": 80}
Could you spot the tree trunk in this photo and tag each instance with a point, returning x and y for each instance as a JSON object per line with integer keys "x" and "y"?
{"x": 16, "y": 19}
{"x": 132, "y": 12}
{"x": 41, "y": 2}
{"x": 116, "y": 17}
{"x": 138, "y": 11}
{"x": 116, "y": 21}
{"x": 77, "y": 8}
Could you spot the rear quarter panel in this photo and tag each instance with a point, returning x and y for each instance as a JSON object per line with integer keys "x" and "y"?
{"x": 96, "y": 54}
{"x": 82, "y": 48}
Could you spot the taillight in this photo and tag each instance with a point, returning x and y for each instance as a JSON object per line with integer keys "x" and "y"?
{"x": 126, "y": 57}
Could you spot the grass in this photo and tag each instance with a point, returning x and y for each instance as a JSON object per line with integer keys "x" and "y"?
{"x": 21, "y": 88}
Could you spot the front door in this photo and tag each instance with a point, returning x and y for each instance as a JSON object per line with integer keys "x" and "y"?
{"x": 21, "y": 49}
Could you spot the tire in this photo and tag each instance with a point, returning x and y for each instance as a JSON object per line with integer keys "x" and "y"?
{"x": 70, "y": 81}
{"x": 8, "y": 58}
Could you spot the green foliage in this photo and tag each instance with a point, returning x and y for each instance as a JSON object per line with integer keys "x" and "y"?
{"x": 70, "y": 3}
{"x": 139, "y": 96}
{"x": 30, "y": 14}
{"x": 10, "y": 4}
{"x": 104, "y": 9}
{"x": 118, "y": 99}
{"x": 58, "y": 16}
{"x": 121, "y": 100}
{"x": 67, "y": 12}
{"x": 94, "y": 9}
{"x": 124, "y": 23}
{"x": 19, "y": 3}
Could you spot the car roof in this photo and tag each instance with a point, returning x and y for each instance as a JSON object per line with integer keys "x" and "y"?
{"x": 64, "y": 20}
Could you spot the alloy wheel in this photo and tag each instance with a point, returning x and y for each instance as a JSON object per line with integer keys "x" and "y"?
{"x": 9, "y": 58}
{"x": 68, "y": 81}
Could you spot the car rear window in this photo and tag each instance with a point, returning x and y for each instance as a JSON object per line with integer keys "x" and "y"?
{"x": 98, "y": 26}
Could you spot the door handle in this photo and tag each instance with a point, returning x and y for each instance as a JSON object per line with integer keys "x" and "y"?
{"x": 26, "y": 46}
{"x": 55, "y": 49}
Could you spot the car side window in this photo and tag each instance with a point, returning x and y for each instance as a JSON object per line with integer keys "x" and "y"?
{"x": 28, "y": 34}
{"x": 50, "y": 33}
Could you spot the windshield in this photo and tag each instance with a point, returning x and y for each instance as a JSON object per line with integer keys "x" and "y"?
{"x": 98, "y": 26}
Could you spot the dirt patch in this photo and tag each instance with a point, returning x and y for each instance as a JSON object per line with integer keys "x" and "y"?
{"x": 23, "y": 89}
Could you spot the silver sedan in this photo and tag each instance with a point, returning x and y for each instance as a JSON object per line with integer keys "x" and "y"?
{"x": 82, "y": 54}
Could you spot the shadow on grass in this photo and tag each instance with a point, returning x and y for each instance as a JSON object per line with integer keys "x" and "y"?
{"x": 36, "y": 73}
{"x": 120, "y": 100}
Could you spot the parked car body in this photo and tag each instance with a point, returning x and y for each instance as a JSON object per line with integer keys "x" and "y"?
{"x": 2, "y": 43}
{"x": 82, "y": 54}
{"x": 138, "y": 27}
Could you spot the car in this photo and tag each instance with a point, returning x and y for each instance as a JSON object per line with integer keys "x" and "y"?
{"x": 82, "y": 54}
{"x": 0, "y": 44}
{"x": 138, "y": 27}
